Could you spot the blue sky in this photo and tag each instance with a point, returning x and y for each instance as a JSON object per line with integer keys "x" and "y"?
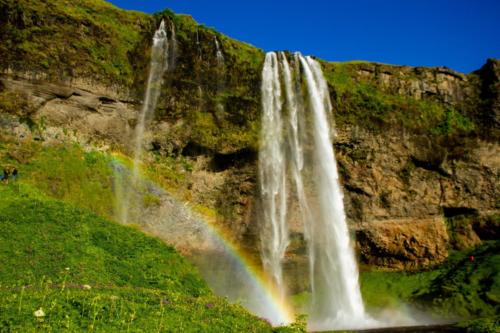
{"x": 460, "y": 34}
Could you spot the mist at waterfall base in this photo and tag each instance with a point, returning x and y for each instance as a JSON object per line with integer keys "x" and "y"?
{"x": 228, "y": 272}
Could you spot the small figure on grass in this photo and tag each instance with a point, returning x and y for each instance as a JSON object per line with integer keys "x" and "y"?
{"x": 9, "y": 173}
{"x": 14, "y": 174}
{"x": 5, "y": 176}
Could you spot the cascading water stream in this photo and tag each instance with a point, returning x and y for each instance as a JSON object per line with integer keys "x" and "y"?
{"x": 158, "y": 66}
{"x": 272, "y": 174}
{"x": 297, "y": 150}
{"x": 336, "y": 293}
{"x": 218, "y": 53}
{"x": 221, "y": 74}
{"x": 172, "y": 51}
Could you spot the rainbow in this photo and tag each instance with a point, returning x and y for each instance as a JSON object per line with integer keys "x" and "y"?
{"x": 266, "y": 302}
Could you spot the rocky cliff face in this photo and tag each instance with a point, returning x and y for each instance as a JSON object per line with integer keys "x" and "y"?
{"x": 417, "y": 147}
{"x": 427, "y": 158}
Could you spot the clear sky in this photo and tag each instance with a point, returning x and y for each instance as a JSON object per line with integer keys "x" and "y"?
{"x": 460, "y": 34}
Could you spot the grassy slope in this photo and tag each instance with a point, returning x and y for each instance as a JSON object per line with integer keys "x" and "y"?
{"x": 458, "y": 289}
{"x": 49, "y": 250}
{"x": 138, "y": 283}
{"x": 64, "y": 172}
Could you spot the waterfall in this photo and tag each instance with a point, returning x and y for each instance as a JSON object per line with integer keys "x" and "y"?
{"x": 221, "y": 76}
{"x": 218, "y": 53}
{"x": 272, "y": 176}
{"x": 297, "y": 165}
{"x": 172, "y": 51}
{"x": 198, "y": 44}
{"x": 158, "y": 65}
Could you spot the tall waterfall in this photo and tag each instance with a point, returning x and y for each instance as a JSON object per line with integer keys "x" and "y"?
{"x": 297, "y": 168}
{"x": 272, "y": 175}
{"x": 158, "y": 66}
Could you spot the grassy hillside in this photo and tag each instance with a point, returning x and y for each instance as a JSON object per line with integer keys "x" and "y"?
{"x": 54, "y": 244}
{"x": 85, "y": 273}
{"x": 459, "y": 289}
{"x": 63, "y": 171}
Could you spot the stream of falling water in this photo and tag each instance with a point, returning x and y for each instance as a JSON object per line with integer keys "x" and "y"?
{"x": 221, "y": 75}
{"x": 272, "y": 174}
{"x": 218, "y": 53}
{"x": 292, "y": 120}
{"x": 158, "y": 66}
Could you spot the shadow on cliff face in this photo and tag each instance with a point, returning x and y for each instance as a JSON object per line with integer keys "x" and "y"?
{"x": 220, "y": 161}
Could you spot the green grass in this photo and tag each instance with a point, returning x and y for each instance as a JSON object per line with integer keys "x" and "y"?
{"x": 483, "y": 325}
{"x": 465, "y": 288}
{"x": 121, "y": 310}
{"x": 50, "y": 251}
{"x": 63, "y": 171}
{"x": 458, "y": 287}
{"x": 43, "y": 238}
{"x": 391, "y": 289}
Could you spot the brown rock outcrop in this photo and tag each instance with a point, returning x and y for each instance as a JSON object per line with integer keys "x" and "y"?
{"x": 403, "y": 244}
{"x": 98, "y": 117}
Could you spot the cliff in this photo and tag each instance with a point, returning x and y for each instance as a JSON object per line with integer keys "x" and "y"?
{"x": 417, "y": 147}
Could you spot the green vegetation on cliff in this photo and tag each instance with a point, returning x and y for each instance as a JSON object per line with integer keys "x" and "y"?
{"x": 216, "y": 105}
{"x": 65, "y": 39}
{"x": 91, "y": 40}
{"x": 361, "y": 101}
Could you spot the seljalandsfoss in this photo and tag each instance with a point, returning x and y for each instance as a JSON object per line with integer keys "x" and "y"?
{"x": 160, "y": 176}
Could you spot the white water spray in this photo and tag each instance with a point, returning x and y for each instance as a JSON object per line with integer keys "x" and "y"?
{"x": 288, "y": 127}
